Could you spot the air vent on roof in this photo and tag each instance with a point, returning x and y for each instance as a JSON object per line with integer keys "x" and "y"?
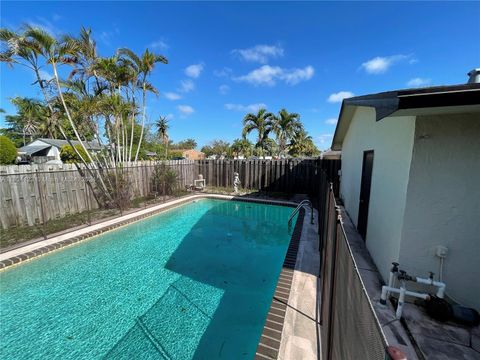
{"x": 474, "y": 76}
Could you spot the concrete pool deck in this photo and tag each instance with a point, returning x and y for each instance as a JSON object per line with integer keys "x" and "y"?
{"x": 298, "y": 336}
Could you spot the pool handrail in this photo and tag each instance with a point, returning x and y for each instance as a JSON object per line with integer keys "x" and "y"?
{"x": 297, "y": 209}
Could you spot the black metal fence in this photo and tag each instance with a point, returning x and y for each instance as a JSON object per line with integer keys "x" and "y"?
{"x": 349, "y": 326}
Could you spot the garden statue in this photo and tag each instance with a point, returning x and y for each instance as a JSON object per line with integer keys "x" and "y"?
{"x": 236, "y": 182}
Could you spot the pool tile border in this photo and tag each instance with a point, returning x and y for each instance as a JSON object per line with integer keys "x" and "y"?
{"x": 271, "y": 338}
{"x": 28, "y": 255}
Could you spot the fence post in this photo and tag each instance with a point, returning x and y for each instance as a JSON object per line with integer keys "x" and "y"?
{"x": 42, "y": 209}
{"x": 333, "y": 285}
{"x": 87, "y": 197}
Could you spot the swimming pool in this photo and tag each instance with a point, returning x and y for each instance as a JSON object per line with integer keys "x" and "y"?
{"x": 193, "y": 282}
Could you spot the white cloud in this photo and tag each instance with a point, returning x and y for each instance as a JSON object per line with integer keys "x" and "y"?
{"x": 194, "y": 70}
{"x": 294, "y": 76}
{"x": 245, "y": 108}
{"x": 325, "y": 139}
{"x": 169, "y": 116}
{"x": 107, "y": 36}
{"x": 185, "y": 110}
{"x": 223, "y": 89}
{"x": 159, "y": 44}
{"x": 44, "y": 24}
{"x": 379, "y": 64}
{"x": 418, "y": 82}
{"x": 186, "y": 86}
{"x": 269, "y": 75}
{"x": 224, "y": 72}
{"x": 338, "y": 97}
{"x": 259, "y": 53}
{"x": 172, "y": 96}
{"x": 331, "y": 121}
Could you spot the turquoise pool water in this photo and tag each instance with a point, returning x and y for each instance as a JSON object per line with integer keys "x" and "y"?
{"x": 195, "y": 282}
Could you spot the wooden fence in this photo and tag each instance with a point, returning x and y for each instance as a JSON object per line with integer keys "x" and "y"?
{"x": 33, "y": 194}
{"x": 287, "y": 175}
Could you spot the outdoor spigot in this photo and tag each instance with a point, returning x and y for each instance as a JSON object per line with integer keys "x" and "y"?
{"x": 431, "y": 275}
{"x": 394, "y": 267}
{"x": 403, "y": 275}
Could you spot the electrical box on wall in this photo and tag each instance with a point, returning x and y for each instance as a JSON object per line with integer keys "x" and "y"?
{"x": 441, "y": 251}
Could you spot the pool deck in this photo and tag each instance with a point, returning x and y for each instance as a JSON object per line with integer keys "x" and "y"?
{"x": 291, "y": 329}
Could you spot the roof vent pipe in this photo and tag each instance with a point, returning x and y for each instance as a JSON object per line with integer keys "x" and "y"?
{"x": 474, "y": 76}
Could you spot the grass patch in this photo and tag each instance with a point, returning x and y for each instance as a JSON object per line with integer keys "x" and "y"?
{"x": 12, "y": 236}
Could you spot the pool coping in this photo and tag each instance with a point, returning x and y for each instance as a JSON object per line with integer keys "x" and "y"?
{"x": 271, "y": 339}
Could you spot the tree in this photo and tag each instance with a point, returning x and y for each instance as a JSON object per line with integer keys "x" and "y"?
{"x": 143, "y": 67}
{"x": 270, "y": 147}
{"x": 162, "y": 130}
{"x": 285, "y": 126}
{"x": 99, "y": 93}
{"x": 241, "y": 147}
{"x": 220, "y": 147}
{"x": 187, "y": 144}
{"x": 207, "y": 150}
{"x": 8, "y": 151}
{"x": 302, "y": 145}
{"x": 216, "y": 147}
{"x": 261, "y": 123}
{"x": 69, "y": 156}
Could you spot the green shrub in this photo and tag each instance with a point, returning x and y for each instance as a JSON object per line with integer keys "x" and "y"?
{"x": 69, "y": 156}
{"x": 8, "y": 151}
{"x": 164, "y": 180}
{"x": 172, "y": 154}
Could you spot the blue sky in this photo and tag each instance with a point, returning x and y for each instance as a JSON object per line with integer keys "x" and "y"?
{"x": 228, "y": 58}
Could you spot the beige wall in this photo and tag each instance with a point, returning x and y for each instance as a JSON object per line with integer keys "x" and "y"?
{"x": 443, "y": 203}
{"x": 392, "y": 142}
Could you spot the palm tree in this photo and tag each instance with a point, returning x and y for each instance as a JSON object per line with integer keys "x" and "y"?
{"x": 302, "y": 145}
{"x": 285, "y": 126}
{"x": 241, "y": 146}
{"x": 143, "y": 66}
{"x": 22, "y": 52}
{"x": 162, "y": 130}
{"x": 260, "y": 122}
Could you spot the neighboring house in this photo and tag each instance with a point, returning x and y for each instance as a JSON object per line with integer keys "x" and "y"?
{"x": 410, "y": 180}
{"x": 331, "y": 155}
{"x": 43, "y": 150}
{"x": 193, "y": 154}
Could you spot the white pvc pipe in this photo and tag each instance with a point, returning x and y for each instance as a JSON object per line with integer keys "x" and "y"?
{"x": 441, "y": 285}
{"x": 386, "y": 289}
{"x": 401, "y": 300}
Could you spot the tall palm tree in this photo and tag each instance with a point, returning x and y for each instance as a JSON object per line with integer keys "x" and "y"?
{"x": 285, "y": 126}
{"x": 162, "y": 130}
{"x": 144, "y": 66}
{"x": 22, "y": 52}
{"x": 262, "y": 123}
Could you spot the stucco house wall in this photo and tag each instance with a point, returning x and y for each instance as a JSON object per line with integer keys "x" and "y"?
{"x": 392, "y": 142}
{"x": 443, "y": 203}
